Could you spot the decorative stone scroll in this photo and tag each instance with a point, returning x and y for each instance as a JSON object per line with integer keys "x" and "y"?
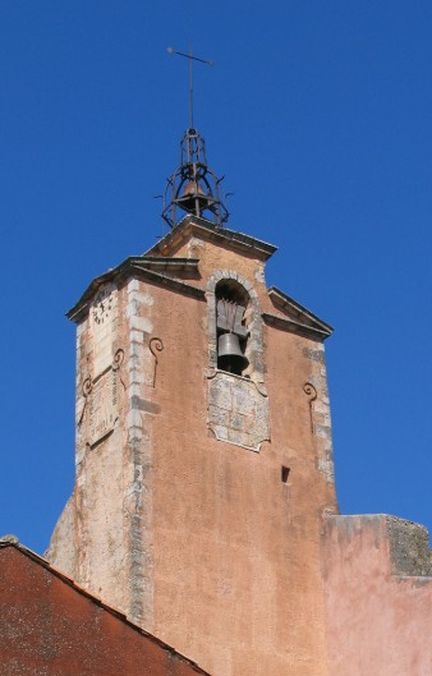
{"x": 238, "y": 411}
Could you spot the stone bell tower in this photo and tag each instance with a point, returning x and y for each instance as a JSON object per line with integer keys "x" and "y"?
{"x": 203, "y": 444}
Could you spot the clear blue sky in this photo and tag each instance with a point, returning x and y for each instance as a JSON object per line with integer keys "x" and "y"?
{"x": 319, "y": 115}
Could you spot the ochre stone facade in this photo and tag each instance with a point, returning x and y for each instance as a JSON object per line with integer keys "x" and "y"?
{"x": 204, "y": 505}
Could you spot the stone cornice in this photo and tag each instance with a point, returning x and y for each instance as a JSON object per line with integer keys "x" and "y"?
{"x": 192, "y": 226}
{"x": 297, "y": 315}
{"x": 139, "y": 267}
{"x": 164, "y": 264}
{"x": 293, "y": 326}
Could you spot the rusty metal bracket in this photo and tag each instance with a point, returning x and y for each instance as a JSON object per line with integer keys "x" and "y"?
{"x": 155, "y": 345}
{"x": 311, "y": 394}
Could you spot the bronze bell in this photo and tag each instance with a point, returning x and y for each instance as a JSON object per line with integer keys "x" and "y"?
{"x": 230, "y": 355}
{"x": 192, "y": 197}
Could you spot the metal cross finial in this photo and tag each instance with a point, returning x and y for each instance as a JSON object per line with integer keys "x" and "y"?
{"x": 191, "y": 58}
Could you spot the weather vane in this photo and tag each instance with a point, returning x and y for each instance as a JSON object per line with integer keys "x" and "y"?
{"x": 191, "y": 58}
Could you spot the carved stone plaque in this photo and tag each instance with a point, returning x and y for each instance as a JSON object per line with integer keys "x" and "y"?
{"x": 237, "y": 411}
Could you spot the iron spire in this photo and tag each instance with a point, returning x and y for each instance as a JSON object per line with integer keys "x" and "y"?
{"x": 193, "y": 187}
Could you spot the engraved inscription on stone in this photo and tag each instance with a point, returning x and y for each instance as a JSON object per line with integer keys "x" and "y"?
{"x": 237, "y": 411}
{"x": 103, "y": 406}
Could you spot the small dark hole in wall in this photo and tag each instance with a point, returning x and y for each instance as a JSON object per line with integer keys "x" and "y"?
{"x": 284, "y": 473}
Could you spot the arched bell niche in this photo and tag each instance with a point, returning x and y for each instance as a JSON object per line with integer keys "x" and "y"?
{"x": 233, "y": 307}
{"x": 232, "y": 331}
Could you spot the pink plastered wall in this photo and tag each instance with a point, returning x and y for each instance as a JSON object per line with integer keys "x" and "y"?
{"x": 379, "y": 621}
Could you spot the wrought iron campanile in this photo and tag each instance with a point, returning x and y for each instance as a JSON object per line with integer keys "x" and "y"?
{"x": 193, "y": 188}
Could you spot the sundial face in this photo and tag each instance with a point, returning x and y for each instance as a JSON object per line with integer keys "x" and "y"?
{"x": 102, "y": 305}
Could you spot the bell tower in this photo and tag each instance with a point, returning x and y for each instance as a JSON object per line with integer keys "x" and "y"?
{"x": 203, "y": 444}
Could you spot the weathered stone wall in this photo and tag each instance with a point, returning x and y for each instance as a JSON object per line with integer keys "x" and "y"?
{"x": 108, "y": 520}
{"x": 409, "y": 548}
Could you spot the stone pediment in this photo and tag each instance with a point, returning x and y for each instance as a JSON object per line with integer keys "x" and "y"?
{"x": 193, "y": 226}
{"x": 295, "y": 318}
